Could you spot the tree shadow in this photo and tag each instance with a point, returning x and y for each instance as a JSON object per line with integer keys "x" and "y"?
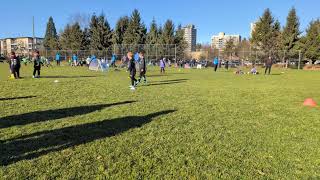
{"x": 48, "y": 115}
{"x": 41, "y": 143}
{"x": 14, "y": 98}
{"x": 61, "y": 77}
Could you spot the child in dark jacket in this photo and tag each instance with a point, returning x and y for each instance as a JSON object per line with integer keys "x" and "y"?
{"x": 37, "y": 64}
{"x": 143, "y": 68}
{"x": 132, "y": 70}
{"x": 14, "y": 65}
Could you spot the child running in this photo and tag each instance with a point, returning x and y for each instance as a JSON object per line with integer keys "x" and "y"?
{"x": 37, "y": 64}
{"x": 132, "y": 70}
{"x": 142, "y": 67}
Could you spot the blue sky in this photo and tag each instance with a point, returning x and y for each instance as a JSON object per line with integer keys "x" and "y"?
{"x": 209, "y": 16}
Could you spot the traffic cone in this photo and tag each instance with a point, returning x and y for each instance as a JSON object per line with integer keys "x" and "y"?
{"x": 310, "y": 102}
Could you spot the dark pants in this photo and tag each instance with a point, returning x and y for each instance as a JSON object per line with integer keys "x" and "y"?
{"x": 58, "y": 63}
{"x": 142, "y": 75}
{"x": 133, "y": 79}
{"x": 215, "y": 67}
{"x": 162, "y": 70}
{"x": 268, "y": 67}
{"x": 36, "y": 70}
{"x": 15, "y": 70}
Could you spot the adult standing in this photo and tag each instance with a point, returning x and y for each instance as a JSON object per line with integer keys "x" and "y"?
{"x": 215, "y": 63}
{"x": 269, "y": 63}
{"x": 58, "y": 59}
{"x": 75, "y": 59}
{"x": 227, "y": 65}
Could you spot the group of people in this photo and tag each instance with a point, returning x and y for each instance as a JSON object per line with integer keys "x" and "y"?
{"x": 133, "y": 70}
{"x": 15, "y": 64}
{"x": 268, "y": 65}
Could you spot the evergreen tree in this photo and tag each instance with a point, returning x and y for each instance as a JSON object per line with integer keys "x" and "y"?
{"x": 136, "y": 32}
{"x": 120, "y": 29}
{"x": 51, "y": 38}
{"x": 65, "y": 38}
{"x": 72, "y": 38}
{"x": 152, "y": 35}
{"x": 266, "y": 33}
{"x": 311, "y": 42}
{"x": 168, "y": 32}
{"x": 160, "y": 37}
{"x": 76, "y": 37}
{"x": 100, "y": 33}
{"x": 291, "y": 33}
{"x": 86, "y": 39}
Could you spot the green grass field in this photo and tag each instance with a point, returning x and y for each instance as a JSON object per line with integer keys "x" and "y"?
{"x": 188, "y": 124}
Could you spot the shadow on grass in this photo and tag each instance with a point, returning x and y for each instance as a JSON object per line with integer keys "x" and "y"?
{"x": 167, "y": 82}
{"x": 41, "y": 143}
{"x": 171, "y": 80}
{"x": 61, "y": 77}
{"x": 158, "y": 75}
{"x": 14, "y": 98}
{"x": 48, "y": 115}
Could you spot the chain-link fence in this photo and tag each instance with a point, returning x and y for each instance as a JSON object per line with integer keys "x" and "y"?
{"x": 153, "y": 52}
{"x": 281, "y": 58}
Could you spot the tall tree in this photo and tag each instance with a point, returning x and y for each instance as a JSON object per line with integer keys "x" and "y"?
{"x": 152, "y": 35}
{"x": 120, "y": 29}
{"x": 51, "y": 38}
{"x": 65, "y": 38}
{"x": 100, "y": 33}
{"x": 76, "y": 37}
{"x": 229, "y": 48}
{"x": 168, "y": 32}
{"x": 291, "y": 33}
{"x": 311, "y": 42}
{"x": 136, "y": 32}
{"x": 265, "y": 35}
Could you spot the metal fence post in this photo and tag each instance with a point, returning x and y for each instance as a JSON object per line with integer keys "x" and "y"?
{"x": 299, "y": 59}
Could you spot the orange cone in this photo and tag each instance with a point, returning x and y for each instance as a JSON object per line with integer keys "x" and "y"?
{"x": 309, "y": 102}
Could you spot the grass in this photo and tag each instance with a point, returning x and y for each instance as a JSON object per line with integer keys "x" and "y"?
{"x": 187, "y": 124}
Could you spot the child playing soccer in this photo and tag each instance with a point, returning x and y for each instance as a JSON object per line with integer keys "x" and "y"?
{"x": 142, "y": 67}
{"x": 37, "y": 64}
{"x": 132, "y": 70}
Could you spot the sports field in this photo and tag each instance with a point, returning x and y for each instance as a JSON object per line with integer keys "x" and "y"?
{"x": 187, "y": 124}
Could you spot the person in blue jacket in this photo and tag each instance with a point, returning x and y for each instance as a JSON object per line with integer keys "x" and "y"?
{"x": 75, "y": 60}
{"x": 215, "y": 63}
{"x": 58, "y": 58}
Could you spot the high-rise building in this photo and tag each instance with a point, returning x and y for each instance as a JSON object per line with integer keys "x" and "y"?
{"x": 219, "y": 41}
{"x": 252, "y": 28}
{"x": 190, "y": 36}
{"x": 21, "y": 45}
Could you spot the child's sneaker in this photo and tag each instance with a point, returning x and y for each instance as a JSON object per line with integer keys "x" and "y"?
{"x": 132, "y": 88}
{"x": 33, "y": 77}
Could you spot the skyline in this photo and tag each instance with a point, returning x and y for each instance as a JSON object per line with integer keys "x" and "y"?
{"x": 209, "y": 17}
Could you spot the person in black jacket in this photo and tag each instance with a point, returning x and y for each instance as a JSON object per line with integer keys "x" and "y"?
{"x": 132, "y": 70}
{"x": 269, "y": 63}
{"x": 37, "y": 64}
{"x": 143, "y": 68}
{"x": 15, "y": 65}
